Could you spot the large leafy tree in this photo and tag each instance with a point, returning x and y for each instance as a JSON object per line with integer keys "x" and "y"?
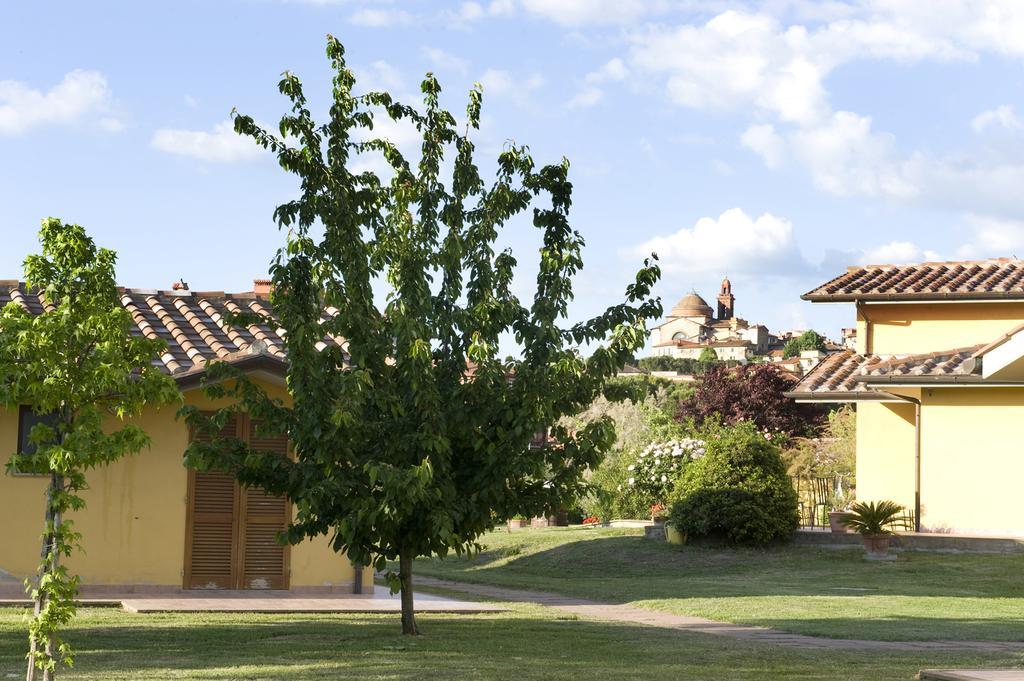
{"x": 77, "y": 364}
{"x": 420, "y": 436}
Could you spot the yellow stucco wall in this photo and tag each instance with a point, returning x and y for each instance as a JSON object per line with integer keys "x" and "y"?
{"x": 971, "y": 462}
{"x": 928, "y": 327}
{"x": 133, "y": 527}
{"x": 971, "y": 465}
{"x": 885, "y": 452}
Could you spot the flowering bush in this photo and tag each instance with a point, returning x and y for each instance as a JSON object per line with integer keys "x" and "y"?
{"x": 653, "y": 474}
{"x": 591, "y": 520}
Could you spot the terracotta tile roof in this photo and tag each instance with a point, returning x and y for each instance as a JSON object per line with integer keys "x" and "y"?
{"x": 193, "y": 325}
{"x": 678, "y": 343}
{"x": 847, "y": 374}
{"x": 730, "y": 343}
{"x": 937, "y": 365}
{"x": 835, "y": 374}
{"x": 996, "y": 279}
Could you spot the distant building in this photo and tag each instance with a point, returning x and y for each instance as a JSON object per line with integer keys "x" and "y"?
{"x": 850, "y": 338}
{"x": 692, "y": 327}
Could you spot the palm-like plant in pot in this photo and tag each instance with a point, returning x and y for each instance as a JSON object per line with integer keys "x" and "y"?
{"x": 871, "y": 520}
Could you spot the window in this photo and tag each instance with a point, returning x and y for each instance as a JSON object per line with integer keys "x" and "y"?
{"x": 27, "y": 419}
{"x": 679, "y": 335}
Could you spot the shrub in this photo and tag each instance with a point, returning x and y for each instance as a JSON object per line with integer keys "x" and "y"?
{"x": 738, "y": 492}
{"x": 873, "y": 518}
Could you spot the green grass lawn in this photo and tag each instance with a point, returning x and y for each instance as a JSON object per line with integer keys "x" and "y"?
{"x": 822, "y": 592}
{"x": 526, "y": 643}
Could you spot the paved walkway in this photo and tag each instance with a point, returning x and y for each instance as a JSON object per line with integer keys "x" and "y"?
{"x": 972, "y": 675}
{"x": 275, "y": 602}
{"x": 633, "y": 615}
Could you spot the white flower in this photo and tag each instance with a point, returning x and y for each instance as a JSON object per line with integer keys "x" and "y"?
{"x": 630, "y": 467}
{"x": 664, "y": 478}
{"x": 631, "y": 481}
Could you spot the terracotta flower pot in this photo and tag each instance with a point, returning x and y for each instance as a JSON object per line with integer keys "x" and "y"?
{"x": 518, "y": 523}
{"x": 836, "y": 521}
{"x": 877, "y": 545}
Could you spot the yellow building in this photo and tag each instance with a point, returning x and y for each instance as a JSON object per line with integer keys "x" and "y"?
{"x": 150, "y": 524}
{"x": 937, "y": 376}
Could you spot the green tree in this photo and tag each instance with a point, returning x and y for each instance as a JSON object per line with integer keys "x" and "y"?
{"x": 808, "y": 340}
{"x": 78, "y": 363}
{"x": 420, "y": 436}
{"x": 708, "y": 356}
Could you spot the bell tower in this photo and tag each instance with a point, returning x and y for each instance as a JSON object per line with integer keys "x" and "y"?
{"x": 726, "y": 300}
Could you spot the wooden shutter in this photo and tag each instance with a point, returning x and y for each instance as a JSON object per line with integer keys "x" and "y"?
{"x": 264, "y": 562}
{"x": 212, "y": 524}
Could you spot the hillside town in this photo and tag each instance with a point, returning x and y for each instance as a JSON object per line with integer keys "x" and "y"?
{"x": 693, "y": 330}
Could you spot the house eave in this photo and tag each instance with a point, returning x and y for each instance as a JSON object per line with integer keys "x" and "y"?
{"x": 903, "y": 298}
{"x": 840, "y": 396}
{"x": 273, "y": 369}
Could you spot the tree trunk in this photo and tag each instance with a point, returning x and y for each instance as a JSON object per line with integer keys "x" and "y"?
{"x": 51, "y": 640}
{"x": 44, "y": 561}
{"x": 405, "y": 578}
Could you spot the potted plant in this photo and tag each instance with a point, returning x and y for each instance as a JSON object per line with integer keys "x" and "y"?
{"x": 673, "y": 535}
{"x": 839, "y": 512}
{"x": 659, "y": 514}
{"x": 871, "y": 521}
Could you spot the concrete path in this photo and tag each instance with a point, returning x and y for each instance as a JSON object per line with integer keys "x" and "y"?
{"x": 274, "y": 602}
{"x": 971, "y": 675}
{"x": 633, "y": 615}
{"x": 379, "y": 601}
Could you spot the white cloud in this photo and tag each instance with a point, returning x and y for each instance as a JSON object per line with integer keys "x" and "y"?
{"x": 379, "y": 76}
{"x": 502, "y": 84}
{"x": 79, "y": 95}
{"x": 501, "y": 7}
{"x": 580, "y": 12}
{"x": 469, "y": 13}
{"x": 846, "y": 158}
{"x": 445, "y": 60}
{"x": 586, "y": 98}
{"x": 732, "y": 242}
{"x": 755, "y": 62}
{"x": 402, "y": 133}
{"x": 381, "y": 18}
{"x": 722, "y": 168}
{"x": 993, "y": 238}
{"x": 496, "y": 82}
{"x": 766, "y": 143}
{"x": 1001, "y": 117}
{"x": 222, "y": 145}
{"x": 613, "y": 70}
{"x": 736, "y": 61}
{"x": 897, "y": 253}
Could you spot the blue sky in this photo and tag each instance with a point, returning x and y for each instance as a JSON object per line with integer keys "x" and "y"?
{"x": 776, "y": 142}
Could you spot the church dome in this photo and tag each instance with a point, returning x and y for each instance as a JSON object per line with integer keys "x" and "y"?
{"x": 692, "y": 305}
